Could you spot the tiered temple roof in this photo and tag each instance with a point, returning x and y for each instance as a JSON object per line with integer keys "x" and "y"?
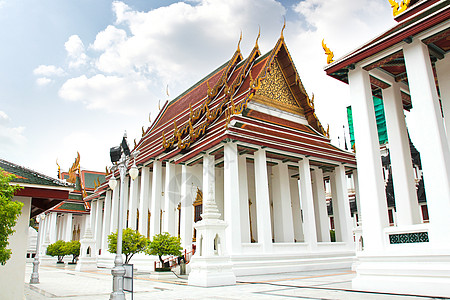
{"x": 242, "y": 101}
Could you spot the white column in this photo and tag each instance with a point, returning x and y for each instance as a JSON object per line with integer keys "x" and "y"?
{"x": 243, "y": 199}
{"x": 187, "y": 214}
{"x": 282, "y": 210}
{"x": 320, "y": 206}
{"x": 155, "y": 210}
{"x": 443, "y": 74}
{"x": 171, "y": 199}
{"x": 433, "y": 145}
{"x": 262, "y": 201}
{"x": 341, "y": 205}
{"x": 370, "y": 176}
{"x": 357, "y": 195}
{"x": 144, "y": 200}
{"x": 106, "y": 221}
{"x": 125, "y": 201}
{"x": 68, "y": 229}
{"x": 60, "y": 224}
{"x": 98, "y": 223}
{"x": 231, "y": 198}
{"x": 306, "y": 198}
{"x": 115, "y": 208}
{"x": 406, "y": 204}
{"x": 52, "y": 225}
{"x": 133, "y": 203}
{"x": 42, "y": 229}
{"x": 92, "y": 216}
{"x": 296, "y": 210}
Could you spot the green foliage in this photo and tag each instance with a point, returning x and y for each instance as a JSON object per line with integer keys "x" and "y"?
{"x": 132, "y": 242}
{"x": 72, "y": 248}
{"x": 9, "y": 213}
{"x": 57, "y": 249}
{"x": 332, "y": 235}
{"x": 164, "y": 244}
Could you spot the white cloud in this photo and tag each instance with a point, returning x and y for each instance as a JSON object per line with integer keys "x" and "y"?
{"x": 110, "y": 93}
{"x": 75, "y": 51}
{"x": 48, "y": 71}
{"x": 43, "y": 81}
{"x": 10, "y": 137}
{"x": 143, "y": 51}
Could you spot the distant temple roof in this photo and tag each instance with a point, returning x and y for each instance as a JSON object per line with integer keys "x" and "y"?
{"x": 28, "y": 176}
{"x": 45, "y": 192}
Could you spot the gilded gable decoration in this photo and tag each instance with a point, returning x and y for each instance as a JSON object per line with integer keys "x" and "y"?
{"x": 275, "y": 92}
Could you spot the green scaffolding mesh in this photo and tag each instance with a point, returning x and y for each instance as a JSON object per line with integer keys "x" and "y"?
{"x": 381, "y": 122}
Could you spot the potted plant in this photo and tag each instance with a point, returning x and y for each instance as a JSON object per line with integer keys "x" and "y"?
{"x": 164, "y": 244}
{"x": 57, "y": 249}
{"x": 132, "y": 242}
{"x": 73, "y": 248}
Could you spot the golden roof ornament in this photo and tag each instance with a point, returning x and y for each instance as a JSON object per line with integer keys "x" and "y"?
{"x": 59, "y": 169}
{"x": 328, "y": 52}
{"x": 282, "y": 29}
{"x": 257, "y": 38}
{"x": 75, "y": 167}
{"x": 398, "y": 9}
{"x": 239, "y": 43}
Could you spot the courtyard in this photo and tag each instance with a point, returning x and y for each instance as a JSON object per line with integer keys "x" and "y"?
{"x": 66, "y": 283}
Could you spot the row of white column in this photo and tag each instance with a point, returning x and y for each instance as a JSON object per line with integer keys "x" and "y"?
{"x": 289, "y": 203}
{"x": 291, "y": 199}
{"x": 138, "y": 199}
{"x": 432, "y": 143}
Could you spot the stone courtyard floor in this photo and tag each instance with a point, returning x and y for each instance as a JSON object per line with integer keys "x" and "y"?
{"x": 66, "y": 283}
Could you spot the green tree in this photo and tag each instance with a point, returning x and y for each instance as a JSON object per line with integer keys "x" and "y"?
{"x": 72, "y": 248}
{"x": 132, "y": 242}
{"x": 9, "y": 213}
{"x": 57, "y": 249}
{"x": 164, "y": 244}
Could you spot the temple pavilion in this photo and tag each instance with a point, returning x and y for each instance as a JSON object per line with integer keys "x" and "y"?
{"x": 248, "y": 128}
{"x": 408, "y": 66}
{"x": 67, "y": 220}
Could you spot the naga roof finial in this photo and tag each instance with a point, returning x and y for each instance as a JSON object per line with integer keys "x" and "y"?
{"x": 328, "y": 52}
{"x": 239, "y": 43}
{"x": 282, "y": 29}
{"x": 59, "y": 169}
{"x": 398, "y": 9}
{"x": 167, "y": 90}
{"x": 257, "y": 38}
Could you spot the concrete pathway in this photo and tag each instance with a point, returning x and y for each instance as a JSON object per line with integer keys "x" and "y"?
{"x": 66, "y": 283}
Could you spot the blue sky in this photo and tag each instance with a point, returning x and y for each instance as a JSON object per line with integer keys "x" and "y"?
{"x": 75, "y": 74}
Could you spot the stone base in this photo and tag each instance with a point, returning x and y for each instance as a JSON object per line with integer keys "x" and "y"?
{"x": 86, "y": 264}
{"x": 211, "y": 271}
{"x": 424, "y": 274}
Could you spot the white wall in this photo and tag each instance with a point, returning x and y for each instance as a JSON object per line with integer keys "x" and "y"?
{"x": 12, "y": 274}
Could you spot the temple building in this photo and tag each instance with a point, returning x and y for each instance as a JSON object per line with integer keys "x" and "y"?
{"x": 246, "y": 135}
{"x": 408, "y": 67}
{"x": 67, "y": 220}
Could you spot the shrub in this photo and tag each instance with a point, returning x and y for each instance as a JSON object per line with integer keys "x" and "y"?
{"x": 72, "y": 248}
{"x": 9, "y": 213}
{"x": 132, "y": 242}
{"x": 57, "y": 249}
{"x": 164, "y": 244}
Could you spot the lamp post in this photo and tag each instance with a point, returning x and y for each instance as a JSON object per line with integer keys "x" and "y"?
{"x": 120, "y": 157}
{"x": 35, "y": 275}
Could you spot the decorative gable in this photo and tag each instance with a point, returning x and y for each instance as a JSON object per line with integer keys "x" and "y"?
{"x": 275, "y": 92}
